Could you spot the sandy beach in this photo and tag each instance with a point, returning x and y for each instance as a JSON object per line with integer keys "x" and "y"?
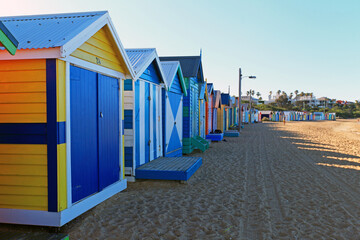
{"x": 298, "y": 181}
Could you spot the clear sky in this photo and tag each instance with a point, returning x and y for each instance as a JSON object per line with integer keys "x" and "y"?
{"x": 308, "y": 45}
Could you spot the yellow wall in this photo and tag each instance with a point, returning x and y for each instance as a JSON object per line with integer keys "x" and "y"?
{"x": 23, "y": 91}
{"x": 23, "y": 167}
{"x": 102, "y": 50}
{"x": 23, "y": 176}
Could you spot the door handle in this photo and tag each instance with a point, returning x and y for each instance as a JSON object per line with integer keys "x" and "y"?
{"x": 101, "y": 115}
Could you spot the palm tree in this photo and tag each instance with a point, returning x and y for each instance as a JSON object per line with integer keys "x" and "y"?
{"x": 278, "y": 92}
{"x": 302, "y": 94}
{"x": 291, "y": 95}
{"x": 296, "y": 92}
{"x": 247, "y": 93}
{"x": 252, "y": 92}
{"x": 258, "y": 94}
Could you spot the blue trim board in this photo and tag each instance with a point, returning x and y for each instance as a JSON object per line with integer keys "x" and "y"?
{"x": 128, "y": 156}
{"x": 51, "y": 109}
{"x": 128, "y": 119}
{"x": 29, "y": 133}
{"x": 169, "y": 175}
{"x": 61, "y": 132}
{"x": 23, "y": 133}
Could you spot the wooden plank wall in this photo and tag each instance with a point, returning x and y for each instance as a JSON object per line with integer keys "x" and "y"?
{"x": 101, "y": 49}
{"x": 23, "y": 167}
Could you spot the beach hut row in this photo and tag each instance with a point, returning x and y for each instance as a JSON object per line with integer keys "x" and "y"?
{"x": 279, "y": 116}
{"x": 80, "y": 115}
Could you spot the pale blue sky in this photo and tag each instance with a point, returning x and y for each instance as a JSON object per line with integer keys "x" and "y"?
{"x": 309, "y": 45}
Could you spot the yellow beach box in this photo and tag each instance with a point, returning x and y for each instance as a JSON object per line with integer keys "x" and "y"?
{"x": 61, "y": 117}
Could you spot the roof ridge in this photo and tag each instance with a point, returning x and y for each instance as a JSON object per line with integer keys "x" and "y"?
{"x": 47, "y": 16}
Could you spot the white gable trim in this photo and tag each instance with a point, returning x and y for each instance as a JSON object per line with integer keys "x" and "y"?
{"x": 147, "y": 63}
{"x": 83, "y": 36}
{"x": 94, "y": 67}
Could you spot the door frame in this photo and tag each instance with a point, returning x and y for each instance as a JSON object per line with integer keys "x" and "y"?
{"x": 105, "y": 71}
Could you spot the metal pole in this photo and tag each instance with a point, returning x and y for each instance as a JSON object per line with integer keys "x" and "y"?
{"x": 239, "y": 102}
{"x": 250, "y": 98}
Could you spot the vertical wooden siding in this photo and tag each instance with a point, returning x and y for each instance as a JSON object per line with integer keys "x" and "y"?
{"x": 101, "y": 49}
{"x": 23, "y": 167}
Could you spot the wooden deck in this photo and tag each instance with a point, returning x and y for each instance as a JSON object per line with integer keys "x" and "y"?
{"x": 232, "y": 133}
{"x": 32, "y": 236}
{"x": 169, "y": 168}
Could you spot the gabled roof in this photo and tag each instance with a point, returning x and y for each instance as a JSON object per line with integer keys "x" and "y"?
{"x": 190, "y": 65}
{"x": 141, "y": 58}
{"x": 210, "y": 88}
{"x": 61, "y": 32}
{"x": 170, "y": 69}
{"x": 225, "y": 99}
{"x": 217, "y": 102}
{"x": 48, "y": 31}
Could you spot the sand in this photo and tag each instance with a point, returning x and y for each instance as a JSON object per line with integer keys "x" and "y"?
{"x": 298, "y": 181}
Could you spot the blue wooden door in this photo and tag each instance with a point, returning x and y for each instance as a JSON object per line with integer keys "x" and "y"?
{"x": 109, "y": 164}
{"x": 84, "y": 133}
{"x": 173, "y": 125}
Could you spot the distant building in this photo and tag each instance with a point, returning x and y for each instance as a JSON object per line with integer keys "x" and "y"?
{"x": 247, "y": 100}
{"x": 306, "y": 99}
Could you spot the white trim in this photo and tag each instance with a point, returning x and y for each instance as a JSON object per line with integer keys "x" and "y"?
{"x": 93, "y": 67}
{"x": 121, "y": 133}
{"x": 151, "y": 121}
{"x": 121, "y": 48}
{"x": 90, "y": 202}
{"x": 146, "y": 64}
{"x": 134, "y": 131}
{"x": 43, "y": 53}
{"x": 83, "y": 36}
{"x": 68, "y": 135}
{"x": 160, "y": 122}
{"x": 58, "y": 219}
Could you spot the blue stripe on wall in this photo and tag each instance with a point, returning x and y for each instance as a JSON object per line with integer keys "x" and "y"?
{"x": 52, "y": 136}
{"x": 128, "y": 117}
{"x": 30, "y": 133}
{"x": 61, "y": 130}
{"x": 128, "y": 85}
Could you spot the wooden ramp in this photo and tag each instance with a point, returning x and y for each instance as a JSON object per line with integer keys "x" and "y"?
{"x": 169, "y": 168}
{"x": 33, "y": 236}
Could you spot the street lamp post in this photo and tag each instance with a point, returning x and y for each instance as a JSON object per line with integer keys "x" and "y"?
{"x": 239, "y": 102}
